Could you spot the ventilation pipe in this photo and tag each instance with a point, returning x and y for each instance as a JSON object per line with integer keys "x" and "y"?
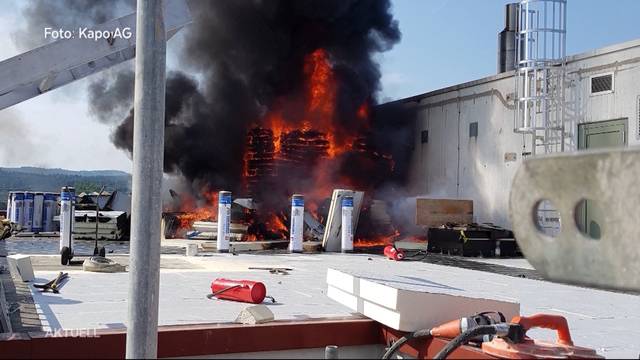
{"x": 507, "y": 39}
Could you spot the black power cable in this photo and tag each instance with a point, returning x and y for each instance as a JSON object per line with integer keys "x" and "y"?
{"x": 396, "y": 345}
{"x": 464, "y": 338}
{"x": 482, "y": 321}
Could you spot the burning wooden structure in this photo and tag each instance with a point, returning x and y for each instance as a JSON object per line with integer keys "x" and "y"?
{"x": 302, "y": 144}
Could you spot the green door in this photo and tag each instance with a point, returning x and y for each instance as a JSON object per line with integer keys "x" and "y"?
{"x": 604, "y": 134}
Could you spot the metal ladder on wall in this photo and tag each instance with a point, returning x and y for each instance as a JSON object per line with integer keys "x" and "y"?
{"x": 540, "y": 74}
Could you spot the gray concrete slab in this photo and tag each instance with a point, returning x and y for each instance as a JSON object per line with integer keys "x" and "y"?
{"x": 92, "y": 300}
{"x": 599, "y": 319}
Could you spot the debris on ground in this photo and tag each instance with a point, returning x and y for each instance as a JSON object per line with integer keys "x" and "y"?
{"x": 102, "y": 264}
{"x": 274, "y": 270}
{"x": 53, "y": 285}
{"x": 315, "y": 227}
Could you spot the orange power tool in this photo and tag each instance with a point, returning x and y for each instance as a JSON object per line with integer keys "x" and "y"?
{"x": 523, "y": 347}
{"x": 504, "y": 340}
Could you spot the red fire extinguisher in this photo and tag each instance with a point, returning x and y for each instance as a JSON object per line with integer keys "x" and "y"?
{"x": 392, "y": 253}
{"x": 238, "y": 290}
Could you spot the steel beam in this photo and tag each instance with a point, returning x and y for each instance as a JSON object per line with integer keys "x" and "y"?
{"x": 64, "y": 61}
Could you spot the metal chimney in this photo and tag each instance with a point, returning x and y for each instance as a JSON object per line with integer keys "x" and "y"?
{"x": 507, "y": 39}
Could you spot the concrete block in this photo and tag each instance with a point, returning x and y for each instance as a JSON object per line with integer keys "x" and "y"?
{"x": 252, "y": 315}
{"x": 21, "y": 266}
{"x": 408, "y": 304}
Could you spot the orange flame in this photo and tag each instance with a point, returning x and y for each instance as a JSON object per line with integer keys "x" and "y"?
{"x": 378, "y": 241}
{"x": 363, "y": 111}
{"x": 277, "y": 124}
{"x": 250, "y": 237}
{"x": 322, "y": 92}
{"x": 319, "y": 115}
{"x": 322, "y": 86}
{"x": 276, "y": 224}
{"x": 193, "y": 212}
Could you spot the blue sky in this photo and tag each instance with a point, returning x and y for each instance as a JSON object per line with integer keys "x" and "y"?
{"x": 445, "y": 42}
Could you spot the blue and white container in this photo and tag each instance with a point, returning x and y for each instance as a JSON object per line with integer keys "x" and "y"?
{"x": 297, "y": 223}
{"x": 17, "y": 209}
{"x": 38, "y": 204}
{"x": 347, "y": 224}
{"x": 48, "y": 212}
{"x": 224, "y": 221}
{"x": 9, "y": 200}
{"x": 72, "y": 192}
{"x": 28, "y": 211}
{"x": 66, "y": 219}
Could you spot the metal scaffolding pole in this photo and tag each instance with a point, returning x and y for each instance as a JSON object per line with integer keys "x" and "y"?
{"x": 146, "y": 207}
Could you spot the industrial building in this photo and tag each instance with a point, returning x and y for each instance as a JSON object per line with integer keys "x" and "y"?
{"x": 465, "y": 144}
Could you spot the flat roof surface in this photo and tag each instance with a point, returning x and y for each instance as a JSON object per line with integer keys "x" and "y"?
{"x": 603, "y": 320}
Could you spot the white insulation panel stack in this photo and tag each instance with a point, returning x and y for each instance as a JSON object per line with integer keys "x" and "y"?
{"x": 410, "y": 303}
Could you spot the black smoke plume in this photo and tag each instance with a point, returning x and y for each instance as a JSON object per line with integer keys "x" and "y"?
{"x": 241, "y": 59}
{"x": 250, "y": 55}
{"x": 112, "y": 94}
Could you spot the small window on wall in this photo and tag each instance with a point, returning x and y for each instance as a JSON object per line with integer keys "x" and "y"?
{"x": 602, "y": 84}
{"x": 473, "y": 129}
{"x": 424, "y": 136}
